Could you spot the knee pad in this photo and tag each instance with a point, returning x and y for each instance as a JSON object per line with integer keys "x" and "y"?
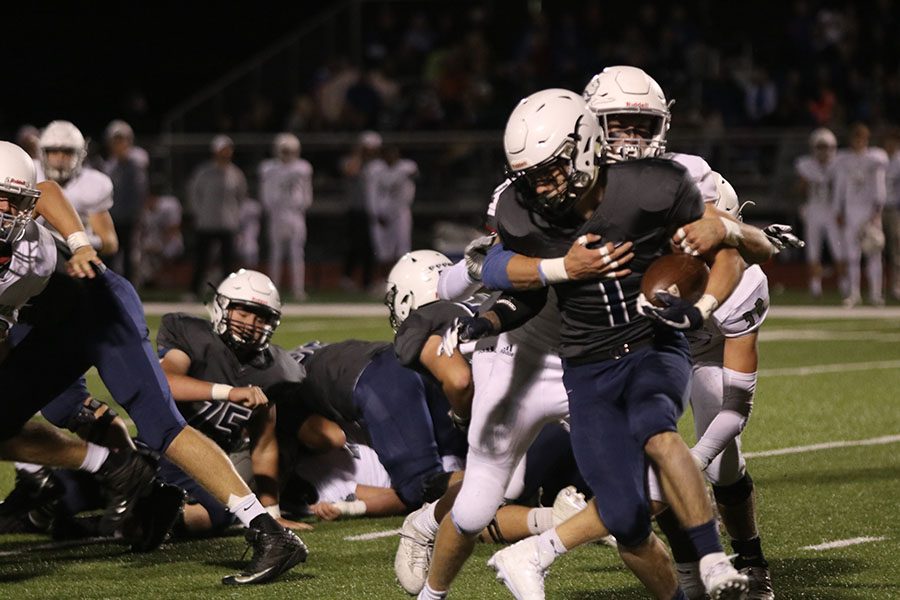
{"x": 736, "y": 493}
{"x": 477, "y": 504}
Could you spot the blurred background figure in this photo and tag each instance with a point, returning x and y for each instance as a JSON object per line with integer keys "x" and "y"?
{"x": 395, "y": 193}
{"x": 359, "y": 169}
{"x": 216, "y": 190}
{"x": 251, "y": 216}
{"x": 859, "y": 195}
{"x": 27, "y": 138}
{"x": 62, "y": 150}
{"x": 286, "y": 191}
{"x": 161, "y": 240}
{"x": 891, "y": 215}
{"x": 127, "y": 166}
{"x": 817, "y": 212}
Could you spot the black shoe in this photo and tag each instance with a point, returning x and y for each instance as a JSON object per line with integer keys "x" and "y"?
{"x": 126, "y": 477}
{"x": 273, "y": 554}
{"x": 31, "y": 506}
{"x": 156, "y": 514}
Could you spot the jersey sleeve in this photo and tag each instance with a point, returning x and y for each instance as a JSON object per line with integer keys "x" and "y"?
{"x": 172, "y": 335}
{"x": 98, "y": 196}
{"x": 747, "y": 306}
{"x": 410, "y": 339}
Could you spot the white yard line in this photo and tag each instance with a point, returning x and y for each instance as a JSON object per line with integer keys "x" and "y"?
{"x": 375, "y": 535}
{"x": 877, "y": 441}
{"x": 833, "y": 368}
{"x": 844, "y": 543}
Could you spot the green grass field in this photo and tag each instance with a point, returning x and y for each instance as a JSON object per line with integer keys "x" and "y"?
{"x": 821, "y": 381}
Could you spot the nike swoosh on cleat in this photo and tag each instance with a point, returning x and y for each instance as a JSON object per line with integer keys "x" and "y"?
{"x": 248, "y": 578}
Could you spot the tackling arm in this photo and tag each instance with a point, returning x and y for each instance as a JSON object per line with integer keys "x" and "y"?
{"x": 718, "y": 227}
{"x": 175, "y": 365}
{"x": 53, "y": 206}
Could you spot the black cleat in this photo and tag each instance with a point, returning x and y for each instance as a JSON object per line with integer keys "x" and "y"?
{"x": 31, "y": 506}
{"x": 273, "y": 554}
{"x": 127, "y": 477}
{"x": 156, "y": 513}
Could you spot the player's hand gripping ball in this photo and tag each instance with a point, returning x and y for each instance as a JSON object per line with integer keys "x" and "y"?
{"x": 680, "y": 275}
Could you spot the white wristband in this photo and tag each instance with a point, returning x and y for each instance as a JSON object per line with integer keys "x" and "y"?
{"x": 553, "y": 270}
{"x": 707, "y": 304}
{"x": 274, "y": 510}
{"x": 354, "y": 508}
{"x": 220, "y": 391}
{"x": 77, "y": 240}
{"x": 733, "y": 235}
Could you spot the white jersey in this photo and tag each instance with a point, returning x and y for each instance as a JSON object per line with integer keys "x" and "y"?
{"x": 742, "y": 313}
{"x": 818, "y": 179}
{"x": 700, "y": 172}
{"x": 90, "y": 192}
{"x": 336, "y": 473}
{"x": 396, "y": 184}
{"x": 859, "y": 183}
{"x": 32, "y": 263}
{"x": 285, "y": 187}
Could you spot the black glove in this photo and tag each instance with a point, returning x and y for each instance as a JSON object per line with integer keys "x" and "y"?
{"x": 677, "y": 313}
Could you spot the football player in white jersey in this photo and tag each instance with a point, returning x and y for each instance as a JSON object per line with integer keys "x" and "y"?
{"x": 286, "y": 193}
{"x": 859, "y": 196}
{"x": 814, "y": 175}
{"x": 62, "y": 153}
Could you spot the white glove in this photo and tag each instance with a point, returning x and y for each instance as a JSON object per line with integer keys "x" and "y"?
{"x": 475, "y": 253}
{"x": 782, "y": 236}
{"x": 449, "y": 339}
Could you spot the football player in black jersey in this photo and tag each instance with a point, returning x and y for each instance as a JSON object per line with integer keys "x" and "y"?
{"x": 626, "y": 375}
{"x": 218, "y": 371}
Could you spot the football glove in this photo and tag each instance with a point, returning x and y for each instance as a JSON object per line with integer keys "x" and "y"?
{"x": 677, "y": 313}
{"x": 462, "y": 330}
{"x": 782, "y": 236}
{"x": 475, "y": 253}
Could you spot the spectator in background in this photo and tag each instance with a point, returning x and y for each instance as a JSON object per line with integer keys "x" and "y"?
{"x": 891, "y": 215}
{"x": 358, "y": 168}
{"x": 251, "y": 215}
{"x": 392, "y": 223}
{"x": 859, "y": 194}
{"x": 27, "y": 138}
{"x": 814, "y": 172}
{"x": 216, "y": 190}
{"x": 161, "y": 239}
{"x": 127, "y": 166}
{"x": 285, "y": 188}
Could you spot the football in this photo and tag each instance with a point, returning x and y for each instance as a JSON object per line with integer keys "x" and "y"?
{"x": 681, "y": 275}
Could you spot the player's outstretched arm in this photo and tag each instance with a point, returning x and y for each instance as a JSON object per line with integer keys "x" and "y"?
{"x": 56, "y": 209}
{"x": 718, "y": 227}
{"x": 587, "y": 258}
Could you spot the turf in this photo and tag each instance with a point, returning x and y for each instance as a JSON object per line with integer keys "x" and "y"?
{"x": 805, "y": 498}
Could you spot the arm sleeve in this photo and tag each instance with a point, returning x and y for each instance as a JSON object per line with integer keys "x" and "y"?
{"x": 515, "y": 309}
{"x": 455, "y": 284}
{"x": 493, "y": 273}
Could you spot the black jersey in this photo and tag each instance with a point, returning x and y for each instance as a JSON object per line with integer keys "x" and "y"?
{"x": 644, "y": 201}
{"x": 422, "y": 323}
{"x": 212, "y": 360}
{"x": 332, "y": 371}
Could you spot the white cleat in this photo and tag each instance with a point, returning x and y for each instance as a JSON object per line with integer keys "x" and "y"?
{"x": 519, "y": 568}
{"x": 723, "y": 581}
{"x": 413, "y": 558}
{"x": 689, "y": 580}
{"x": 760, "y": 583}
{"x": 569, "y": 501}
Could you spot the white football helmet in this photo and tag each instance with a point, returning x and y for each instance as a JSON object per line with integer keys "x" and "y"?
{"x": 251, "y": 291}
{"x": 822, "y": 137}
{"x": 727, "y": 199}
{"x": 64, "y": 137}
{"x": 624, "y": 90}
{"x": 413, "y": 283}
{"x": 18, "y": 188}
{"x": 286, "y": 144}
{"x": 551, "y": 133}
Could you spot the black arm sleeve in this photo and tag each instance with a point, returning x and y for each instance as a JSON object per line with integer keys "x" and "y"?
{"x": 515, "y": 309}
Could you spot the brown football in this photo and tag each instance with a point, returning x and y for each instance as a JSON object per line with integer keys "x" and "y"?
{"x": 681, "y": 275}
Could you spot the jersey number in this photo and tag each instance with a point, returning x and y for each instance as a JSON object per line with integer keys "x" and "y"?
{"x": 614, "y": 297}
{"x": 226, "y": 417}
{"x": 759, "y": 307}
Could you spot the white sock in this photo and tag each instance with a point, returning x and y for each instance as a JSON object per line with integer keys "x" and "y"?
{"x": 94, "y": 458}
{"x": 540, "y": 520}
{"x": 28, "y": 467}
{"x": 245, "y": 508}
{"x": 429, "y": 594}
{"x": 426, "y": 521}
{"x": 549, "y": 547}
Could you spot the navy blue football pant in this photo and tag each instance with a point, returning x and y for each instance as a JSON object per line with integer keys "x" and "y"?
{"x": 397, "y": 408}
{"x": 74, "y": 325}
{"x": 615, "y": 407}
{"x": 218, "y": 513}
{"x": 550, "y": 466}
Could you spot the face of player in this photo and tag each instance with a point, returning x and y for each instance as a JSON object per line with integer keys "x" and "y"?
{"x": 823, "y": 153}
{"x": 859, "y": 139}
{"x": 61, "y": 158}
{"x": 249, "y": 325}
{"x": 625, "y": 128}
{"x": 549, "y": 182}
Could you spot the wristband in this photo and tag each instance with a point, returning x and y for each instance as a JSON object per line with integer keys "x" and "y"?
{"x": 77, "y": 240}
{"x": 354, "y": 508}
{"x": 733, "y": 235}
{"x": 220, "y": 391}
{"x": 553, "y": 270}
{"x": 707, "y": 305}
{"x": 274, "y": 510}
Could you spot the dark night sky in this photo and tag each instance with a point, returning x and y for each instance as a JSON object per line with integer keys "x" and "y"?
{"x": 80, "y": 63}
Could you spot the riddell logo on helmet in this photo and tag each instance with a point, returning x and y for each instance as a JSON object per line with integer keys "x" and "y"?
{"x": 16, "y": 181}
{"x": 519, "y": 164}
{"x": 637, "y": 104}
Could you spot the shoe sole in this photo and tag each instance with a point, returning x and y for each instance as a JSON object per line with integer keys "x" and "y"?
{"x": 157, "y": 512}
{"x": 731, "y": 591}
{"x": 299, "y": 556}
